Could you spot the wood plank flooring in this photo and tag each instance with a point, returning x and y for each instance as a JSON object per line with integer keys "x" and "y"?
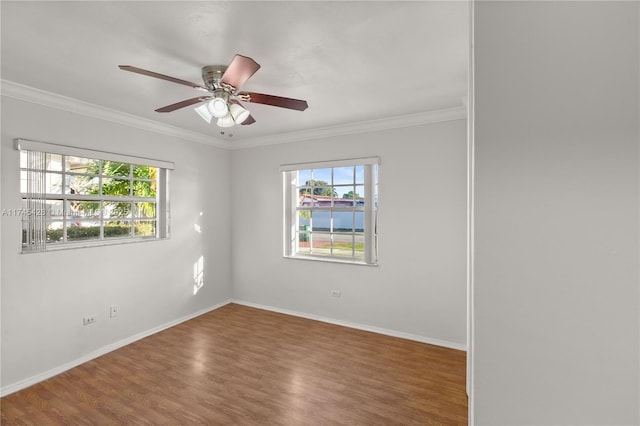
{"x": 244, "y": 366}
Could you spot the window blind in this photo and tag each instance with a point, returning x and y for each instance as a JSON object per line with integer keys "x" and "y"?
{"x": 30, "y": 145}
{"x": 34, "y": 219}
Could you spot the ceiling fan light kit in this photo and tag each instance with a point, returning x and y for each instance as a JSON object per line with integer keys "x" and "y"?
{"x": 203, "y": 111}
{"x": 238, "y": 113}
{"x": 223, "y": 103}
{"x": 218, "y": 107}
{"x": 226, "y": 121}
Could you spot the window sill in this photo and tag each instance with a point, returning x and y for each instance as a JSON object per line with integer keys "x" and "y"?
{"x": 100, "y": 243}
{"x": 326, "y": 259}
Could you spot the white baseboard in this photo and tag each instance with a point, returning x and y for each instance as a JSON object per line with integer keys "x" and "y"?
{"x": 14, "y": 387}
{"x": 387, "y": 332}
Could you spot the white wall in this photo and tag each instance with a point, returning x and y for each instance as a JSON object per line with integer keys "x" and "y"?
{"x": 419, "y": 286}
{"x": 45, "y": 295}
{"x": 557, "y": 207}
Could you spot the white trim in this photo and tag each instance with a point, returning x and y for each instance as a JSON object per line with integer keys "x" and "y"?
{"x": 327, "y": 164}
{"x": 429, "y": 117}
{"x": 470, "y": 219}
{"x": 76, "y": 106}
{"x": 357, "y": 326}
{"x": 53, "y": 148}
{"x": 22, "y": 384}
{"x": 328, "y": 259}
{"x": 288, "y": 224}
{"x": 64, "y": 103}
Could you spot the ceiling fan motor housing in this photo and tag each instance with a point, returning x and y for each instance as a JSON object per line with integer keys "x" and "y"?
{"x": 212, "y": 74}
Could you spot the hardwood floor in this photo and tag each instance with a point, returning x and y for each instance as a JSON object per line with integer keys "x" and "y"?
{"x": 243, "y": 366}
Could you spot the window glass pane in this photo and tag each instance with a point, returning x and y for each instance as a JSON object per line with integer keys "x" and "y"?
{"x": 54, "y": 231}
{"x": 37, "y": 180}
{"x": 81, "y": 165}
{"x": 54, "y": 210}
{"x": 117, "y": 228}
{"x": 112, "y": 168}
{"x": 359, "y": 196}
{"x": 359, "y": 246}
{"x": 358, "y": 221}
{"x": 116, "y": 210}
{"x": 146, "y": 210}
{"x": 116, "y": 187}
{"x": 304, "y": 178}
{"x": 320, "y": 220}
{"x": 321, "y": 243}
{"x": 322, "y": 175}
{"x": 342, "y": 221}
{"x": 53, "y": 183}
{"x": 304, "y": 240}
{"x": 145, "y": 172}
{"x": 79, "y": 230}
{"x": 23, "y": 180}
{"x": 323, "y": 195}
{"x": 306, "y": 189}
{"x": 348, "y": 199}
{"x": 321, "y": 191}
{"x": 343, "y": 245}
{"x": 305, "y": 200}
{"x": 360, "y": 174}
{"x": 342, "y": 175}
{"x": 145, "y": 228}
{"x": 33, "y": 162}
{"x": 54, "y": 162}
{"x": 144, "y": 188}
{"x": 82, "y": 185}
{"x": 304, "y": 217}
{"x": 78, "y": 210}
{"x": 343, "y": 191}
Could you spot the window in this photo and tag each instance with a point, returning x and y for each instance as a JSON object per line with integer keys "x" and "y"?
{"x": 330, "y": 210}
{"x": 73, "y": 196}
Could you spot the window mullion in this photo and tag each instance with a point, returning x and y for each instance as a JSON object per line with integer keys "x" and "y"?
{"x": 132, "y": 229}
{"x": 368, "y": 214}
{"x": 101, "y": 221}
{"x": 65, "y": 207}
{"x": 353, "y": 233}
{"x": 131, "y": 180}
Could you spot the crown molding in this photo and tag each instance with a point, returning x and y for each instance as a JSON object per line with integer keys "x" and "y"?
{"x": 53, "y": 100}
{"x": 429, "y": 117}
{"x": 64, "y": 103}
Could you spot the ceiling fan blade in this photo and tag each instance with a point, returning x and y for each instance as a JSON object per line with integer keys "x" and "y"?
{"x": 279, "y": 101}
{"x": 161, "y": 76}
{"x": 239, "y": 71}
{"x": 249, "y": 120}
{"x": 183, "y": 104}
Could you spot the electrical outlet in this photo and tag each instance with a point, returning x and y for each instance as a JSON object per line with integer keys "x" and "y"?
{"x": 114, "y": 310}
{"x": 89, "y": 319}
{"x": 336, "y": 293}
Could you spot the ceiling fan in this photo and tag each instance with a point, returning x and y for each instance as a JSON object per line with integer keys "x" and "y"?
{"x": 222, "y": 101}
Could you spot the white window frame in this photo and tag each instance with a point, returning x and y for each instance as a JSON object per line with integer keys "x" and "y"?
{"x": 370, "y": 208}
{"x": 34, "y": 214}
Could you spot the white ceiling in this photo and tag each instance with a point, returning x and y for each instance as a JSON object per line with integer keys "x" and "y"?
{"x": 352, "y": 61}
